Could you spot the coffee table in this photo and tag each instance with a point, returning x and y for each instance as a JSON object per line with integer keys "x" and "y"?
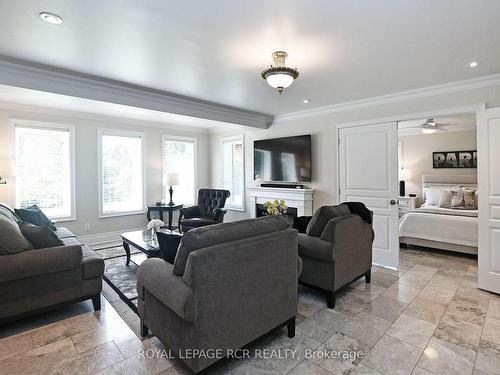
{"x": 136, "y": 240}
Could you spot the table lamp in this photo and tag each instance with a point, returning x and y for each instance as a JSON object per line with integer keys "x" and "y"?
{"x": 170, "y": 180}
{"x": 404, "y": 175}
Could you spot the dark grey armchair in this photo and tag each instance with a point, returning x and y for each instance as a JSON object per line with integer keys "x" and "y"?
{"x": 335, "y": 246}
{"x": 230, "y": 284}
{"x": 209, "y": 210}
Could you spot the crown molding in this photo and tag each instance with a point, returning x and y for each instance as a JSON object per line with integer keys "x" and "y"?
{"x": 403, "y": 96}
{"x": 25, "y": 74}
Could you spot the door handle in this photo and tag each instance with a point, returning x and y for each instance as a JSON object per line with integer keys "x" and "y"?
{"x": 392, "y": 202}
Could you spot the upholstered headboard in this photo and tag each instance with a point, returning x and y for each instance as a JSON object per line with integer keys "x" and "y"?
{"x": 447, "y": 181}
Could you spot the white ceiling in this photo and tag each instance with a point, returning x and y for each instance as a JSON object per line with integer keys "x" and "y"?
{"x": 215, "y": 50}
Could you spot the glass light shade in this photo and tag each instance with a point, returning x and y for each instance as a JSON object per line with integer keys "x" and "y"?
{"x": 279, "y": 80}
{"x": 428, "y": 130}
{"x": 171, "y": 179}
{"x": 404, "y": 174}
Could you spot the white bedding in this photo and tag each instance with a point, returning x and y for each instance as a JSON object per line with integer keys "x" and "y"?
{"x": 442, "y": 225}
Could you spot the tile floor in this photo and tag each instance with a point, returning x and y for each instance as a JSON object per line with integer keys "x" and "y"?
{"x": 426, "y": 318}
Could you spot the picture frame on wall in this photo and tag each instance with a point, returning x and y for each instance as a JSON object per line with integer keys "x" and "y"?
{"x": 454, "y": 159}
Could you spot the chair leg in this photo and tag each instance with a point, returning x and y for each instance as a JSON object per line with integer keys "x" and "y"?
{"x": 144, "y": 329}
{"x": 96, "y": 301}
{"x": 290, "y": 326}
{"x": 368, "y": 276}
{"x": 330, "y": 300}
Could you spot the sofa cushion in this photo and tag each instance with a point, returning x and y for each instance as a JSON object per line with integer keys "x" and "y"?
{"x": 198, "y": 222}
{"x": 62, "y": 233}
{"x": 40, "y": 236}
{"x": 9, "y": 213}
{"x": 199, "y": 238}
{"x": 315, "y": 247}
{"x": 92, "y": 264}
{"x": 12, "y": 240}
{"x": 34, "y": 215}
{"x": 322, "y": 216}
{"x": 71, "y": 241}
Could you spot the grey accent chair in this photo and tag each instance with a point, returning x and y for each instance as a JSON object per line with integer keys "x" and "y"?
{"x": 36, "y": 280}
{"x": 209, "y": 210}
{"x": 230, "y": 284}
{"x": 335, "y": 248}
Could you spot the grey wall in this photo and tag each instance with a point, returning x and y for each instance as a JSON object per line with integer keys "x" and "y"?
{"x": 418, "y": 149}
{"x": 86, "y": 173}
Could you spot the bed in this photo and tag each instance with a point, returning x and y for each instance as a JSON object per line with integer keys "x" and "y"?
{"x": 442, "y": 228}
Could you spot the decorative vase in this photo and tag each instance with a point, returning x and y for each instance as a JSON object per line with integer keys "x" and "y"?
{"x": 154, "y": 237}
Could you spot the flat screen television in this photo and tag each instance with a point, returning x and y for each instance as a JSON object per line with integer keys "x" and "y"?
{"x": 283, "y": 159}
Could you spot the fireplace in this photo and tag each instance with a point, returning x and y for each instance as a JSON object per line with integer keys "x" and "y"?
{"x": 298, "y": 201}
{"x": 291, "y": 212}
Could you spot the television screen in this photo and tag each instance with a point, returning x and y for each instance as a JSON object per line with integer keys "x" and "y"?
{"x": 283, "y": 159}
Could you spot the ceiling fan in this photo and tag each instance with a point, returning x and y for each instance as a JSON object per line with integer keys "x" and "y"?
{"x": 431, "y": 127}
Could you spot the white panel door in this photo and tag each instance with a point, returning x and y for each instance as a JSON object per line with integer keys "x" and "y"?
{"x": 488, "y": 153}
{"x": 368, "y": 166}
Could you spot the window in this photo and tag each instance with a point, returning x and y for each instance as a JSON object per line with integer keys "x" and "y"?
{"x": 44, "y": 168}
{"x": 179, "y": 156}
{"x": 121, "y": 172}
{"x": 233, "y": 171}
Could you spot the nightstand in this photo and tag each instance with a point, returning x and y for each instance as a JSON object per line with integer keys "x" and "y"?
{"x": 406, "y": 204}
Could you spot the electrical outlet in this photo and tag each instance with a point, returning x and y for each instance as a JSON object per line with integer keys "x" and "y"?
{"x": 86, "y": 227}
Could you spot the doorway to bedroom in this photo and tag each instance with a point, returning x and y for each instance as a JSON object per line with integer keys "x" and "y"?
{"x": 438, "y": 200}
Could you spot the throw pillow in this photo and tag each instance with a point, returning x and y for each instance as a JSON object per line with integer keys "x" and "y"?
{"x": 321, "y": 217}
{"x": 40, "y": 237}
{"x": 34, "y": 215}
{"x": 457, "y": 198}
{"x": 445, "y": 199}
{"x": 469, "y": 199}
{"x": 12, "y": 240}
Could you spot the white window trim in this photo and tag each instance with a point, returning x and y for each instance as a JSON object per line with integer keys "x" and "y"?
{"x": 50, "y": 126}
{"x": 166, "y": 137}
{"x": 240, "y": 137}
{"x": 120, "y": 133}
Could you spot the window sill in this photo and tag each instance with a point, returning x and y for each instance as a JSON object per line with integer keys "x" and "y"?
{"x": 59, "y": 220}
{"x": 117, "y": 214}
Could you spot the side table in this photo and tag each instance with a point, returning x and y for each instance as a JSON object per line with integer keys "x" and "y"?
{"x": 161, "y": 210}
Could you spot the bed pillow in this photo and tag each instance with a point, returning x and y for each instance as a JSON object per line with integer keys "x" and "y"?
{"x": 445, "y": 199}
{"x": 432, "y": 196}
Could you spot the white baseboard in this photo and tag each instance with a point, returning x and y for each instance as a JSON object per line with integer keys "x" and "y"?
{"x": 104, "y": 239}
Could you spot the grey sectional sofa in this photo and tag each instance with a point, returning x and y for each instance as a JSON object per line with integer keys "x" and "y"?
{"x": 230, "y": 284}
{"x": 35, "y": 280}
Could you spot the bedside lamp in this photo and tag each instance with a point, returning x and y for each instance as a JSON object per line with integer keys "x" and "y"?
{"x": 404, "y": 175}
{"x": 171, "y": 179}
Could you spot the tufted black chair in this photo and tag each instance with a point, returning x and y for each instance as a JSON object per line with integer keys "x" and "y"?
{"x": 210, "y": 210}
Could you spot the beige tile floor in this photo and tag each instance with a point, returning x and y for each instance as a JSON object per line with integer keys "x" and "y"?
{"x": 427, "y": 318}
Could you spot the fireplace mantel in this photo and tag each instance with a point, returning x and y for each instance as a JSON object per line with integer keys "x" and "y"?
{"x": 301, "y": 199}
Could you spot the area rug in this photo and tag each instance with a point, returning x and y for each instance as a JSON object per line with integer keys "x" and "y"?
{"x": 120, "y": 277}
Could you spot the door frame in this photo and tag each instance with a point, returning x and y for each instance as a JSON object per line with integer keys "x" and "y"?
{"x": 456, "y": 111}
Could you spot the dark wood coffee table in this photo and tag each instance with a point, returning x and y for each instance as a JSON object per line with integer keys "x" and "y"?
{"x": 136, "y": 240}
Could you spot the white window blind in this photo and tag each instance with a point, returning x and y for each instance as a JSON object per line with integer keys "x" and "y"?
{"x": 233, "y": 171}
{"x": 43, "y": 171}
{"x": 179, "y": 157}
{"x": 121, "y": 173}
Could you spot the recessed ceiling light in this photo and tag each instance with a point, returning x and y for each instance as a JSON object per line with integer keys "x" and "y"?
{"x": 307, "y": 101}
{"x": 473, "y": 64}
{"x": 51, "y": 18}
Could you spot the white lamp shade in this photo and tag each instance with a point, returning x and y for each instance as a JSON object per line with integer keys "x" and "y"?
{"x": 404, "y": 174}
{"x": 6, "y": 168}
{"x": 279, "y": 80}
{"x": 171, "y": 179}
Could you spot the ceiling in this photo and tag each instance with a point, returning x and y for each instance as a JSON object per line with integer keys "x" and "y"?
{"x": 215, "y": 50}
{"x": 446, "y": 124}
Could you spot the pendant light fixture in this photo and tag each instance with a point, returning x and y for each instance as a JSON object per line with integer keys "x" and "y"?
{"x": 280, "y": 76}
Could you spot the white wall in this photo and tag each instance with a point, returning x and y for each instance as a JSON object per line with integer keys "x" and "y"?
{"x": 418, "y": 149}
{"x": 86, "y": 174}
{"x": 322, "y": 129}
